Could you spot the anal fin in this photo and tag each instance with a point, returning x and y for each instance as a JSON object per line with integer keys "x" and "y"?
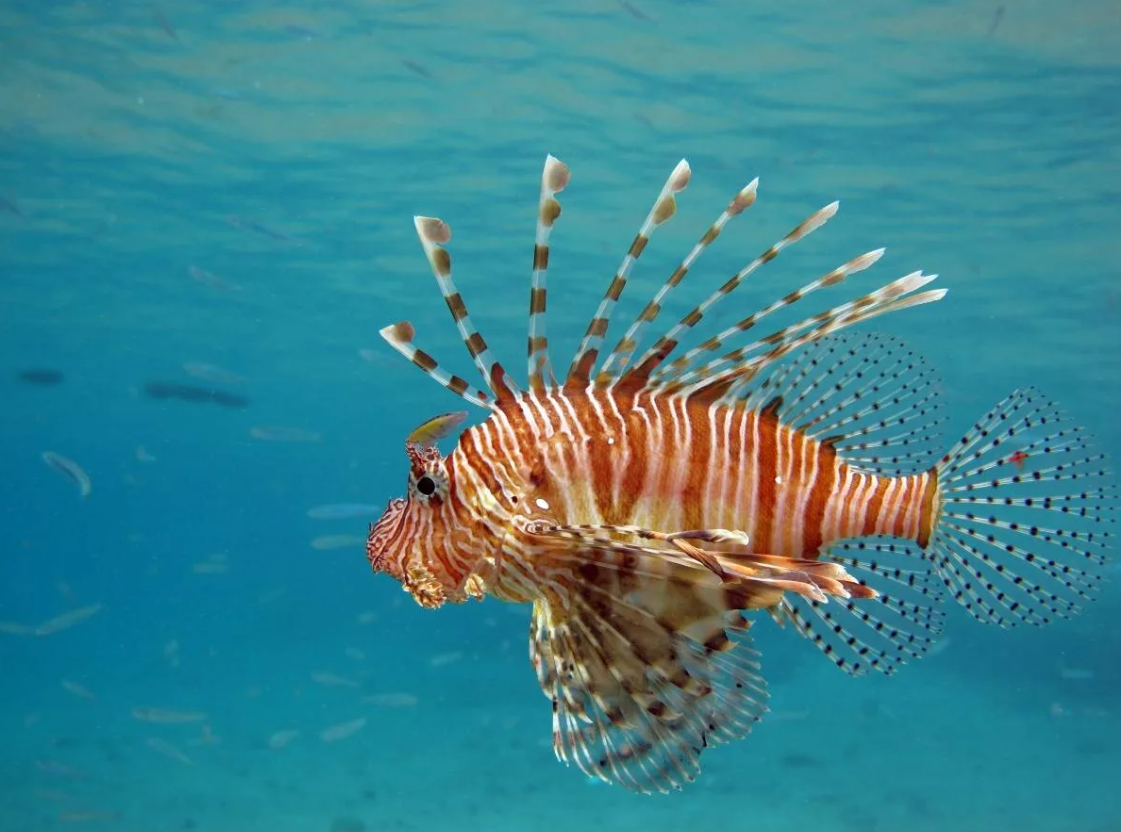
{"x": 900, "y": 622}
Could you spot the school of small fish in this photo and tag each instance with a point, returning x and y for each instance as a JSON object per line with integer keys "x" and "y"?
{"x": 190, "y": 731}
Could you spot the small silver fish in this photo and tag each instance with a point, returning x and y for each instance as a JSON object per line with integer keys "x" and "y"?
{"x": 281, "y": 738}
{"x": 211, "y": 373}
{"x": 67, "y": 620}
{"x": 168, "y": 750}
{"x": 14, "y": 628}
{"x": 342, "y": 730}
{"x": 165, "y": 716}
{"x": 246, "y": 224}
{"x": 332, "y": 680}
{"x": 10, "y": 206}
{"x": 69, "y": 469}
{"x": 212, "y": 280}
{"x": 49, "y": 766}
{"x": 327, "y": 542}
{"x": 80, "y": 691}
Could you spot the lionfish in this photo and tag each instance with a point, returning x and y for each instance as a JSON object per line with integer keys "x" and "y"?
{"x": 644, "y": 506}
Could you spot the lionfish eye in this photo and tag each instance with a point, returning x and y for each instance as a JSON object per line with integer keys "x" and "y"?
{"x": 426, "y": 485}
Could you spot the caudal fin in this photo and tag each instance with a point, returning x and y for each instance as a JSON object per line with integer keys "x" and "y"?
{"x": 1027, "y": 512}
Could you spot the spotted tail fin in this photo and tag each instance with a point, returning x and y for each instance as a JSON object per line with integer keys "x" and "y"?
{"x": 1026, "y": 512}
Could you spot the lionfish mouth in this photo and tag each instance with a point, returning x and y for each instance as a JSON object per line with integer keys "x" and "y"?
{"x": 414, "y": 577}
{"x": 381, "y": 533}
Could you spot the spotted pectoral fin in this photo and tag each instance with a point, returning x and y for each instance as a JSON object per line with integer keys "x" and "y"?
{"x": 643, "y": 680}
{"x": 761, "y": 579}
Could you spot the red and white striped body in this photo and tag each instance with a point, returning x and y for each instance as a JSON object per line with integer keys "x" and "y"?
{"x": 661, "y": 462}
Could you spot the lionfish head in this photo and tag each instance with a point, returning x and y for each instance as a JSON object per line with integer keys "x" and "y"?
{"x": 405, "y": 542}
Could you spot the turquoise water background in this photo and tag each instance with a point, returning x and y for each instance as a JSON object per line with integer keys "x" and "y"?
{"x": 283, "y": 149}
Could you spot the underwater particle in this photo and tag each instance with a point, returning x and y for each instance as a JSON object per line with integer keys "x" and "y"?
{"x": 69, "y": 469}
{"x": 391, "y": 700}
{"x": 86, "y": 815}
{"x": 41, "y": 377}
{"x": 210, "y": 567}
{"x": 1076, "y": 674}
{"x": 342, "y": 511}
{"x": 305, "y": 32}
{"x": 192, "y": 393}
{"x": 276, "y": 433}
{"x": 940, "y": 646}
{"x": 327, "y": 542}
{"x": 271, "y": 596}
{"x": 54, "y": 767}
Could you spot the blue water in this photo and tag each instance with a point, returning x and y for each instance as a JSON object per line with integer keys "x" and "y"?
{"x": 975, "y": 140}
